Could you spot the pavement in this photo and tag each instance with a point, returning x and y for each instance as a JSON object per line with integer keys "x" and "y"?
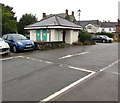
{"x": 75, "y": 73}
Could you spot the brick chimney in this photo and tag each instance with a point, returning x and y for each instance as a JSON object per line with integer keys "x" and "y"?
{"x": 44, "y": 15}
{"x": 72, "y": 13}
{"x": 66, "y": 11}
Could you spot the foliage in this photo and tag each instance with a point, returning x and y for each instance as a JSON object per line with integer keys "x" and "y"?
{"x": 67, "y": 17}
{"x": 105, "y": 33}
{"x": 84, "y": 36}
{"x": 48, "y": 45}
{"x": 9, "y": 22}
{"x": 25, "y": 20}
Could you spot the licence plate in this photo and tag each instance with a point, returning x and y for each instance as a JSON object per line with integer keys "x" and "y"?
{"x": 28, "y": 46}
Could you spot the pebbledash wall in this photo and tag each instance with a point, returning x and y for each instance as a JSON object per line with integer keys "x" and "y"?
{"x": 52, "y": 35}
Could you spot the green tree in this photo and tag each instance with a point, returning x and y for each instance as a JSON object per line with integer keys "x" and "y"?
{"x": 25, "y": 20}
{"x": 84, "y": 36}
{"x": 9, "y": 22}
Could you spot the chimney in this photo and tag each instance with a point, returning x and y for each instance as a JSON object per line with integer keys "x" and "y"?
{"x": 72, "y": 13}
{"x": 66, "y": 11}
{"x": 44, "y": 15}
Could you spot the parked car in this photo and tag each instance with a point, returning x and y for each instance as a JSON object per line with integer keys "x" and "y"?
{"x": 4, "y": 47}
{"x": 102, "y": 39}
{"x": 18, "y": 42}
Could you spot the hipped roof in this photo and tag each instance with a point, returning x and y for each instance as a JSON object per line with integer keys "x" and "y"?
{"x": 54, "y": 21}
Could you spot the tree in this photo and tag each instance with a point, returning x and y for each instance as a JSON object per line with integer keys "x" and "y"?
{"x": 84, "y": 36}
{"x": 9, "y": 22}
{"x": 25, "y": 20}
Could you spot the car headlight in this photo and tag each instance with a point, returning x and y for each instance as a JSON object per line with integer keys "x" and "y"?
{"x": 32, "y": 42}
{"x": 20, "y": 43}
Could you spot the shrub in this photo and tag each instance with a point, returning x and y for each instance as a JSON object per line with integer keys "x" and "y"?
{"x": 84, "y": 36}
{"x": 105, "y": 33}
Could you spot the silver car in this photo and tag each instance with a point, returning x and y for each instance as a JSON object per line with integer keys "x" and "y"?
{"x": 4, "y": 47}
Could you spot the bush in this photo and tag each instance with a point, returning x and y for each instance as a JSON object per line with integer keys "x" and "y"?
{"x": 105, "y": 33}
{"x": 84, "y": 36}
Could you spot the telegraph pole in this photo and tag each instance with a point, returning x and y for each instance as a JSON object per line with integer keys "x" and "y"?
{"x": 79, "y": 15}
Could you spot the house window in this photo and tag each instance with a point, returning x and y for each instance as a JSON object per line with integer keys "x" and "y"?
{"x": 103, "y": 30}
{"x": 109, "y": 29}
{"x": 89, "y": 27}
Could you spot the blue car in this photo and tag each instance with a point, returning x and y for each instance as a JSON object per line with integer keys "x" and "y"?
{"x": 18, "y": 42}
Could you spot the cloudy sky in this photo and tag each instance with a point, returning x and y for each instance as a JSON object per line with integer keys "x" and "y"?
{"x": 90, "y": 9}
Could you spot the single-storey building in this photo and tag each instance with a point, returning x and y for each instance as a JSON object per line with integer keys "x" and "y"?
{"x": 54, "y": 28}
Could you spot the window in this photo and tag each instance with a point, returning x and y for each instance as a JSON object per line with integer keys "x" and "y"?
{"x": 103, "y": 30}
{"x": 89, "y": 27}
{"x": 109, "y": 29}
{"x": 9, "y": 37}
{"x": 5, "y": 37}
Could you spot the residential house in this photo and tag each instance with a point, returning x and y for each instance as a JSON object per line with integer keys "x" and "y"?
{"x": 54, "y": 28}
{"x": 92, "y": 26}
{"x": 108, "y": 27}
{"x": 117, "y": 32}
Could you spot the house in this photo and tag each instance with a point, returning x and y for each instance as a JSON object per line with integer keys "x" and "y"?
{"x": 54, "y": 28}
{"x": 117, "y": 32}
{"x": 108, "y": 27}
{"x": 92, "y": 26}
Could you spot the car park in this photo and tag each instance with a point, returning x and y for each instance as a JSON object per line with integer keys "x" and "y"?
{"x": 18, "y": 42}
{"x": 4, "y": 47}
{"x": 102, "y": 39}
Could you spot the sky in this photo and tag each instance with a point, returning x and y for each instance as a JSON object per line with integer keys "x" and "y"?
{"x": 102, "y": 10}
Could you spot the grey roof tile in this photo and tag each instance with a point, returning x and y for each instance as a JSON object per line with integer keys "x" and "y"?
{"x": 54, "y": 20}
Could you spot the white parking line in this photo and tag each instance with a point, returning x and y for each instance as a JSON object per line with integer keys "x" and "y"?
{"x": 85, "y": 70}
{"x": 110, "y": 65}
{"x": 11, "y": 58}
{"x": 68, "y": 56}
{"x": 66, "y": 88}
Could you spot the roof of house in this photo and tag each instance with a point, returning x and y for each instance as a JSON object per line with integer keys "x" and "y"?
{"x": 96, "y": 23}
{"x": 108, "y": 24}
{"x": 63, "y": 15}
{"x": 85, "y": 22}
{"x": 54, "y": 21}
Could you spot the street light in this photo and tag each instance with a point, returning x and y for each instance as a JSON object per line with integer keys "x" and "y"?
{"x": 79, "y": 15}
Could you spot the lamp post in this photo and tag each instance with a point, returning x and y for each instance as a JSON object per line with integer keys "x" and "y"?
{"x": 79, "y": 15}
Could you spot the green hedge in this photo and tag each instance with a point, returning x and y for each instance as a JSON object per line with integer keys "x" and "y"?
{"x": 105, "y": 33}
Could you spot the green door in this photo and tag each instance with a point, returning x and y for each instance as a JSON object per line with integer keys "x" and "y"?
{"x": 44, "y": 35}
{"x": 37, "y": 34}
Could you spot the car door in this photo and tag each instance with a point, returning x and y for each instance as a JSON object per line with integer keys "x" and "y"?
{"x": 9, "y": 40}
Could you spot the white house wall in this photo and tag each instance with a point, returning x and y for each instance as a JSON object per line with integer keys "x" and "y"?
{"x": 74, "y": 36}
{"x": 33, "y": 35}
{"x": 93, "y": 28}
{"x": 107, "y": 30}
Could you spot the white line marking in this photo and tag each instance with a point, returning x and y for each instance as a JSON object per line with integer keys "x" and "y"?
{"x": 11, "y": 58}
{"x": 68, "y": 56}
{"x": 49, "y": 62}
{"x": 85, "y": 70}
{"x": 66, "y": 88}
{"x": 110, "y": 65}
{"x": 113, "y": 72}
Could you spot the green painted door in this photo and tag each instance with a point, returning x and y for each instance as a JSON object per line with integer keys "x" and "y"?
{"x": 44, "y": 35}
{"x": 37, "y": 35}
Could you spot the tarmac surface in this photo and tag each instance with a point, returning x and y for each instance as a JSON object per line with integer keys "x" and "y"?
{"x": 75, "y": 73}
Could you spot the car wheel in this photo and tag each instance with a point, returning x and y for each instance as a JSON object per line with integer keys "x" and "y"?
{"x": 14, "y": 49}
{"x": 103, "y": 41}
{"x": 110, "y": 41}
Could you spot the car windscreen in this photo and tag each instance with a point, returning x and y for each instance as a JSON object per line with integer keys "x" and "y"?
{"x": 18, "y": 37}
